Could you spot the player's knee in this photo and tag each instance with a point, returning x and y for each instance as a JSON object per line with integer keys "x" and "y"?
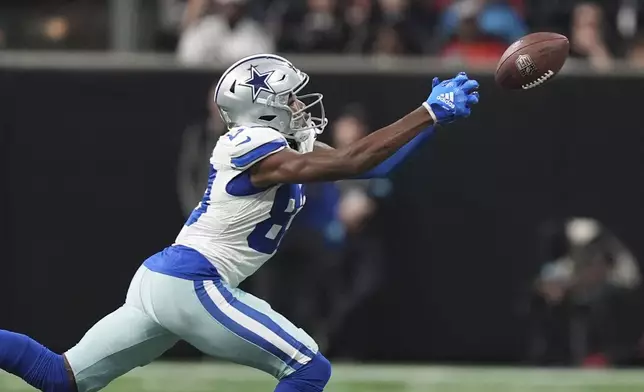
{"x": 322, "y": 368}
{"x": 312, "y": 377}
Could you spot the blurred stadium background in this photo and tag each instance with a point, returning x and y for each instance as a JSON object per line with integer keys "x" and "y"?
{"x": 505, "y": 257}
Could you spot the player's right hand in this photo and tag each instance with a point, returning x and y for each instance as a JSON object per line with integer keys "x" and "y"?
{"x": 451, "y": 99}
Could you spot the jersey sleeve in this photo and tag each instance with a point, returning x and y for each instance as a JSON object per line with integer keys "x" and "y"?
{"x": 247, "y": 146}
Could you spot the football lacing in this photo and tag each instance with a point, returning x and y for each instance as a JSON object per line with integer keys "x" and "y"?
{"x": 539, "y": 81}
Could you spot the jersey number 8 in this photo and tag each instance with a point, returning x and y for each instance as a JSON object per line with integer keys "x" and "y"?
{"x": 267, "y": 235}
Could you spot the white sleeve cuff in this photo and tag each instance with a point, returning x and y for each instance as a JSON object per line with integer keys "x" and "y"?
{"x": 431, "y": 112}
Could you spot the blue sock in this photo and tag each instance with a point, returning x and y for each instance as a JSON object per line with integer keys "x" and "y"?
{"x": 312, "y": 377}
{"x": 38, "y": 366}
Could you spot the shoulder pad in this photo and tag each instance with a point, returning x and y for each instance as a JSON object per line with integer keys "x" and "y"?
{"x": 247, "y": 146}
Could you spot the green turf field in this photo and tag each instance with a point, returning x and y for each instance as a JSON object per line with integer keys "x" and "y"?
{"x": 206, "y": 377}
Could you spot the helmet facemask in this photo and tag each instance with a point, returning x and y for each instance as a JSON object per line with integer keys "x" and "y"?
{"x": 302, "y": 123}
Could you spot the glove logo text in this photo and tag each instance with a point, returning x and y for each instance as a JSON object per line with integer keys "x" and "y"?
{"x": 447, "y": 99}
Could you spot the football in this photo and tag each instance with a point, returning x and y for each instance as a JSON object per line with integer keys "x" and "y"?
{"x": 532, "y": 61}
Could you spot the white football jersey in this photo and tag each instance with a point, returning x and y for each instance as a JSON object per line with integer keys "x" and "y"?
{"x": 237, "y": 226}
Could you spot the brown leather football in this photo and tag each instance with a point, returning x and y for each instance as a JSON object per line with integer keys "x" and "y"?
{"x": 532, "y": 61}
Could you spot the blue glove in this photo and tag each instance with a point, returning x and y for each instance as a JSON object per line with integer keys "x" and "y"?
{"x": 452, "y": 98}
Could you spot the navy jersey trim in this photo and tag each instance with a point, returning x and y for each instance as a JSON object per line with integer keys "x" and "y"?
{"x": 258, "y": 153}
{"x": 241, "y": 185}
{"x": 182, "y": 262}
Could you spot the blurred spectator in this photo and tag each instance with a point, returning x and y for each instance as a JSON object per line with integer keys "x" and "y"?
{"x": 479, "y": 30}
{"x": 359, "y": 16}
{"x": 55, "y": 29}
{"x": 221, "y": 31}
{"x": 317, "y": 27}
{"x": 170, "y": 18}
{"x": 54, "y": 25}
{"x": 636, "y": 54}
{"x": 355, "y": 26}
{"x": 220, "y": 37}
{"x": 627, "y": 18}
{"x": 584, "y": 300}
{"x": 587, "y": 35}
{"x": 397, "y": 30}
{"x": 495, "y": 18}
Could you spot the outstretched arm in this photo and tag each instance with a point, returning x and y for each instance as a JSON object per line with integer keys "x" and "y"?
{"x": 386, "y": 167}
{"x": 288, "y": 166}
{"x": 449, "y": 100}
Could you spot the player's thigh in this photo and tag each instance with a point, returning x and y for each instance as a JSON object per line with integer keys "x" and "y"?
{"x": 123, "y": 340}
{"x": 232, "y": 325}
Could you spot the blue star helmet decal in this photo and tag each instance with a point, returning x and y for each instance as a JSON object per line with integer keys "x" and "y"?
{"x": 258, "y": 82}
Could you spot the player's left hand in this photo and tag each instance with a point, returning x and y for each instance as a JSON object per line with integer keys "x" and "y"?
{"x": 452, "y": 98}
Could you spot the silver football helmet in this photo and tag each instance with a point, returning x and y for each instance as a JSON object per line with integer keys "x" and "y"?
{"x": 261, "y": 90}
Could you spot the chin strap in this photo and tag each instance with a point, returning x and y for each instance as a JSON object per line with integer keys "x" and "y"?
{"x": 305, "y": 139}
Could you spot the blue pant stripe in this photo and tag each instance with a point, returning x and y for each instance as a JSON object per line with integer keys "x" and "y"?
{"x": 239, "y": 330}
{"x": 263, "y": 319}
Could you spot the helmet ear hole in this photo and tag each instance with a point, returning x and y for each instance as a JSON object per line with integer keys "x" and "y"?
{"x": 267, "y": 118}
{"x": 232, "y": 87}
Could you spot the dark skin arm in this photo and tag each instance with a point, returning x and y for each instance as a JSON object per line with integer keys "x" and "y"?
{"x": 321, "y": 146}
{"x": 291, "y": 167}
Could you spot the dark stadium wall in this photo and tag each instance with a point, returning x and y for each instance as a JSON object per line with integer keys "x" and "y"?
{"x": 90, "y": 190}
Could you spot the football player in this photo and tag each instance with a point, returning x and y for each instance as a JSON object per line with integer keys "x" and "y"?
{"x": 189, "y": 290}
